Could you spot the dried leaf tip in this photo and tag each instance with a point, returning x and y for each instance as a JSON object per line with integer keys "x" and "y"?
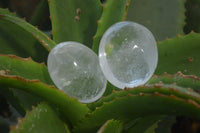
{"x": 77, "y": 18}
{"x": 78, "y": 11}
{"x": 190, "y": 59}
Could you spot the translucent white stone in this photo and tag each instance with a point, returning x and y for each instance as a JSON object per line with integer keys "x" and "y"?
{"x": 75, "y": 69}
{"x": 128, "y": 54}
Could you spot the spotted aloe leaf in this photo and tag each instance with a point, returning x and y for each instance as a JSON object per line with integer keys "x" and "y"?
{"x": 113, "y": 11}
{"x": 69, "y": 107}
{"x": 41, "y": 119}
{"x": 179, "y": 54}
{"x": 164, "y": 18}
{"x": 16, "y": 32}
{"x": 74, "y": 20}
{"x": 133, "y": 106}
{"x": 111, "y": 126}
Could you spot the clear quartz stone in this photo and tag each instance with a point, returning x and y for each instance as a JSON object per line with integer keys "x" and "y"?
{"x": 128, "y": 54}
{"x": 75, "y": 69}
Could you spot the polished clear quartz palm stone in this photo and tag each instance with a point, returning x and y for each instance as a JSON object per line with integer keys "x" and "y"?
{"x": 128, "y": 54}
{"x": 75, "y": 69}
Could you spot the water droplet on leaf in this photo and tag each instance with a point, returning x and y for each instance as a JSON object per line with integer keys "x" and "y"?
{"x": 128, "y": 54}
{"x": 75, "y": 69}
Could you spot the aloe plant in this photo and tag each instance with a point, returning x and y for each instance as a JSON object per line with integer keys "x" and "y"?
{"x": 30, "y": 102}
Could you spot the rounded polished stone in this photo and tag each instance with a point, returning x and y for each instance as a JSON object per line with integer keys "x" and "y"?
{"x": 128, "y": 54}
{"x": 75, "y": 69}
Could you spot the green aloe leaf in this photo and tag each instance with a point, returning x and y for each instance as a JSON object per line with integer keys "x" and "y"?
{"x": 25, "y": 99}
{"x": 191, "y": 82}
{"x": 113, "y": 11}
{"x": 42, "y": 119}
{"x": 192, "y": 16}
{"x": 69, "y": 107}
{"x": 143, "y": 124}
{"x": 186, "y": 81}
{"x": 12, "y": 99}
{"x": 152, "y": 128}
{"x": 134, "y": 106}
{"x": 25, "y": 68}
{"x": 179, "y": 54}
{"x": 164, "y": 18}
{"x": 20, "y": 38}
{"x": 165, "y": 125}
{"x": 111, "y": 126}
{"x": 150, "y": 89}
{"x": 6, "y": 11}
{"x": 74, "y": 20}
{"x": 41, "y": 13}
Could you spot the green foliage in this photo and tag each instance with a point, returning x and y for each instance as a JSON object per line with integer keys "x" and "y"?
{"x": 25, "y": 68}
{"x": 74, "y": 20}
{"x": 111, "y": 126}
{"x": 133, "y": 106}
{"x": 192, "y": 16}
{"x": 113, "y": 11}
{"x": 144, "y": 124}
{"x": 152, "y": 108}
{"x": 40, "y": 119}
{"x": 164, "y": 18}
{"x": 22, "y": 39}
{"x": 179, "y": 54}
{"x": 70, "y": 107}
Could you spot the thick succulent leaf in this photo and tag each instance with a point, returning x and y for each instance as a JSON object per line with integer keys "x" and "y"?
{"x": 152, "y": 128}
{"x": 143, "y": 124}
{"x": 111, "y": 126}
{"x": 12, "y": 99}
{"x": 134, "y": 106}
{"x": 192, "y": 16}
{"x": 41, "y": 13}
{"x": 6, "y": 11}
{"x": 25, "y": 99}
{"x": 25, "y": 68}
{"x": 113, "y": 11}
{"x": 74, "y": 20}
{"x": 20, "y": 38}
{"x": 179, "y": 54}
{"x": 178, "y": 91}
{"x": 42, "y": 119}
{"x": 69, "y": 107}
{"x": 163, "y": 18}
{"x": 165, "y": 125}
{"x": 186, "y": 81}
